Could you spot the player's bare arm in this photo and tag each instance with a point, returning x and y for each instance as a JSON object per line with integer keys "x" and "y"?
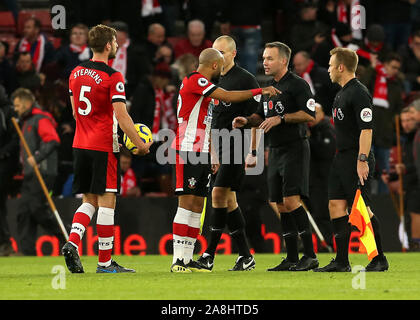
{"x": 238, "y": 96}
{"x": 214, "y": 159}
{"x": 254, "y": 120}
{"x": 365, "y": 142}
{"x": 296, "y": 117}
{"x": 72, "y": 107}
{"x": 127, "y": 125}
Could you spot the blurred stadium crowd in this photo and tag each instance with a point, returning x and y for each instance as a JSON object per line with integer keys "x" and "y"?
{"x": 159, "y": 43}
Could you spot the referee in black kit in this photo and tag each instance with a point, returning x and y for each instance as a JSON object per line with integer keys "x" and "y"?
{"x": 229, "y": 176}
{"x": 284, "y": 118}
{"x": 354, "y": 163}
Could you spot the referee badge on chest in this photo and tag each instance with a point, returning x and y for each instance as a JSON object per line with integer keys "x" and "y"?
{"x": 279, "y": 107}
{"x": 265, "y": 105}
{"x": 338, "y": 113}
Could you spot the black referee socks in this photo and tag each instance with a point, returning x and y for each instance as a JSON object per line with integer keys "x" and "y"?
{"x": 342, "y": 230}
{"x": 288, "y": 225}
{"x": 219, "y": 219}
{"x": 377, "y": 232}
{"x": 304, "y": 229}
{"x": 236, "y": 225}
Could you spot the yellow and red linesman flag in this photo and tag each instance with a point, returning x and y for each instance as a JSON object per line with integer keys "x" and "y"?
{"x": 359, "y": 217}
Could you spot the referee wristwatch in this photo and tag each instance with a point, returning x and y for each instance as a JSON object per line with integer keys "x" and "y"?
{"x": 283, "y": 119}
{"x": 362, "y": 157}
{"x": 253, "y": 153}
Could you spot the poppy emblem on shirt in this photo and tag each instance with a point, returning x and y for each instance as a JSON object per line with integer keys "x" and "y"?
{"x": 270, "y": 105}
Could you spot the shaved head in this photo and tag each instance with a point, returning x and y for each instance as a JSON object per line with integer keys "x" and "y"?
{"x": 228, "y": 41}
{"x": 227, "y": 47}
{"x": 209, "y": 56}
{"x": 211, "y": 61}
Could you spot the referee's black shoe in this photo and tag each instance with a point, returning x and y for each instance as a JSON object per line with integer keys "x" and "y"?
{"x": 71, "y": 256}
{"x": 244, "y": 264}
{"x": 379, "y": 263}
{"x": 285, "y": 265}
{"x": 335, "y": 266}
{"x": 206, "y": 261}
{"x": 194, "y": 266}
{"x": 305, "y": 264}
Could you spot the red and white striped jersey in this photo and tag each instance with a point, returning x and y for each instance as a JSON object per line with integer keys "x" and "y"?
{"x": 194, "y": 114}
{"x": 94, "y": 87}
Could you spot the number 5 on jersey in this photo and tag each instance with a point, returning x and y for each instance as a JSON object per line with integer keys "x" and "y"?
{"x": 82, "y": 98}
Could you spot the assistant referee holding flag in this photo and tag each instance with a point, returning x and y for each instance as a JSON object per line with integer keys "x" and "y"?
{"x": 284, "y": 119}
{"x": 354, "y": 162}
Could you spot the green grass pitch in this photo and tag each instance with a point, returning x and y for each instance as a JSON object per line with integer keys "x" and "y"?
{"x": 27, "y": 278}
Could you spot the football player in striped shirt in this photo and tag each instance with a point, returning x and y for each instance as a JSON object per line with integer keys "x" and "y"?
{"x": 192, "y": 146}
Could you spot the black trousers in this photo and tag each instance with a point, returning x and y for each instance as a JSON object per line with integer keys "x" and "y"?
{"x": 34, "y": 211}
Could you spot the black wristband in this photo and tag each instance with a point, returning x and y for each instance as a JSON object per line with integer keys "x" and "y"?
{"x": 254, "y": 153}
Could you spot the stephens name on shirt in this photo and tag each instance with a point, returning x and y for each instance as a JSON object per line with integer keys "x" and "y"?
{"x": 88, "y": 72}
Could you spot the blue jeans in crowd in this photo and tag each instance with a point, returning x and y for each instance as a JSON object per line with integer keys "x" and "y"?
{"x": 248, "y": 41}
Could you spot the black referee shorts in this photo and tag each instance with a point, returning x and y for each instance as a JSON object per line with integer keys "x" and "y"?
{"x": 288, "y": 171}
{"x": 229, "y": 176}
{"x": 343, "y": 178}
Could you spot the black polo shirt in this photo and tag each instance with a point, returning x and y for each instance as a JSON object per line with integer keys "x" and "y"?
{"x": 295, "y": 96}
{"x": 352, "y": 112}
{"x": 236, "y": 78}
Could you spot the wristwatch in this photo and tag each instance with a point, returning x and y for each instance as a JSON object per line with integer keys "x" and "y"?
{"x": 253, "y": 153}
{"x": 362, "y": 157}
{"x": 283, "y": 119}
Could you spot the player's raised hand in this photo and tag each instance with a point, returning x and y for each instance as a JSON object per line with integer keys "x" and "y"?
{"x": 239, "y": 122}
{"x": 143, "y": 150}
{"x": 270, "y": 91}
